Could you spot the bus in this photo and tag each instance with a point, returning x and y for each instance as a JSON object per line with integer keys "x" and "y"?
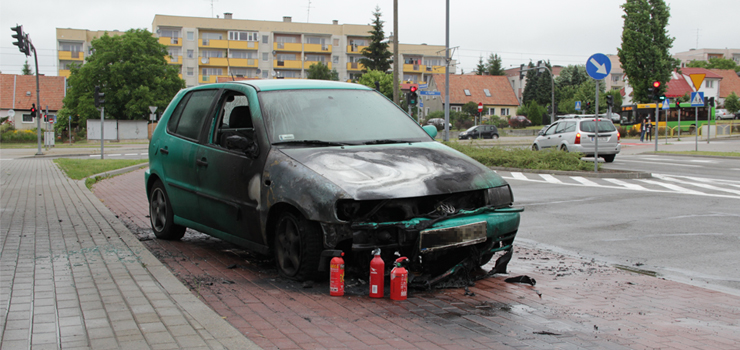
{"x": 634, "y": 114}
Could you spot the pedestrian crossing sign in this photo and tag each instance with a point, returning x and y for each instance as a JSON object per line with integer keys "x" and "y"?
{"x": 666, "y": 104}
{"x": 697, "y": 99}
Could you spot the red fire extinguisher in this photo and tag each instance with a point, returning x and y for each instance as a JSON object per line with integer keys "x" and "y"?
{"x": 336, "y": 276}
{"x": 399, "y": 280}
{"x": 377, "y": 272}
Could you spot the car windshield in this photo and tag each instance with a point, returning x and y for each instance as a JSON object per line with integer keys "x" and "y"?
{"x": 604, "y": 126}
{"x": 336, "y": 116}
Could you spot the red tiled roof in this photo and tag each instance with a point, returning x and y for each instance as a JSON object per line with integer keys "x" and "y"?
{"x": 730, "y": 82}
{"x": 51, "y": 91}
{"x": 709, "y": 73}
{"x": 498, "y": 85}
{"x": 678, "y": 87}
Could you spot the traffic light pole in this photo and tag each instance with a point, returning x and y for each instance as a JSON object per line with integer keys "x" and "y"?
{"x": 102, "y": 128}
{"x": 38, "y": 100}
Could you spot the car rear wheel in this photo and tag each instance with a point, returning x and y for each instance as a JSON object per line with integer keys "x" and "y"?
{"x": 564, "y": 148}
{"x": 297, "y": 247}
{"x": 609, "y": 158}
{"x": 494, "y": 136}
{"x": 161, "y": 215}
{"x": 535, "y": 147}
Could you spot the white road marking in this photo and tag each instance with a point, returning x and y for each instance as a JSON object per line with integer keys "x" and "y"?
{"x": 132, "y": 154}
{"x": 625, "y": 184}
{"x": 697, "y": 184}
{"x": 518, "y": 175}
{"x": 584, "y": 181}
{"x": 551, "y": 179}
{"x": 115, "y": 155}
{"x": 675, "y": 164}
{"x": 670, "y": 186}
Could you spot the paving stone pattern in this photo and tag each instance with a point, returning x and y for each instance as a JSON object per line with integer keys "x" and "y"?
{"x": 575, "y": 304}
{"x": 73, "y": 277}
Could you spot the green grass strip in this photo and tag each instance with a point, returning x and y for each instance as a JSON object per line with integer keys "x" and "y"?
{"x": 524, "y": 158}
{"x": 79, "y": 169}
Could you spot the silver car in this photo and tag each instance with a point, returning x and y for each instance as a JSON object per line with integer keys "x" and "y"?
{"x": 577, "y": 135}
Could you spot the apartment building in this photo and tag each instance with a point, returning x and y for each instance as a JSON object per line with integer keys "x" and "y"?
{"x": 207, "y": 50}
{"x": 73, "y": 45}
{"x": 705, "y": 54}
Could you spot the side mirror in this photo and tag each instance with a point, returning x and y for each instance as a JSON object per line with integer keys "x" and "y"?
{"x": 244, "y": 144}
{"x": 431, "y": 130}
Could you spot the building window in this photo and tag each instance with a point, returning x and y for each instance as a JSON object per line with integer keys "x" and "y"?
{"x": 191, "y": 36}
{"x": 710, "y": 84}
{"x": 336, "y": 42}
{"x": 491, "y": 111}
{"x": 211, "y": 53}
{"x": 616, "y": 78}
{"x": 243, "y": 36}
{"x": 456, "y": 108}
{"x": 288, "y": 74}
{"x": 238, "y": 72}
{"x": 315, "y": 40}
{"x": 284, "y": 39}
{"x": 286, "y": 57}
{"x": 467, "y": 92}
{"x": 265, "y": 39}
{"x": 265, "y": 74}
{"x": 504, "y": 111}
{"x": 191, "y": 71}
{"x": 27, "y": 118}
{"x": 242, "y": 54}
{"x": 211, "y": 36}
{"x": 264, "y": 56}
{"x": 433, "y": 62}
{"x": 190, "y": 53}
{"x": 212, "y": 71}
{"x": 170, "y": 33}
{"x": 315, "y": 58}
{"x": 335, "y": 59}
{"x": 488, "y": 93}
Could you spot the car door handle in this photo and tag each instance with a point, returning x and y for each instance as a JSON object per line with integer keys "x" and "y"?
{"x": 202, "y": 162}
{"x": 164, "y": 151}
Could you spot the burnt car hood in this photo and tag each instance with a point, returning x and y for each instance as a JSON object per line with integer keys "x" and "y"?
{"x": 396, "y": 170}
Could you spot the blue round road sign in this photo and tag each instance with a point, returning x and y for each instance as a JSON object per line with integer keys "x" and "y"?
{"x": 598, "y": 66}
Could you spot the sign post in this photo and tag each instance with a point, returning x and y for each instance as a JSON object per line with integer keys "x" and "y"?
{"x": 598, "y": 67}
{"x": 697, "y": 99}
{"x": 666, "y": 107}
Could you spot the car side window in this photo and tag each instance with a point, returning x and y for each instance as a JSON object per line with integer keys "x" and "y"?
{"x": 551, "y": 130}
{"x": 188, "y": 123}
{"x": 561, "y": 128}
{"x": 234, "y": 118}
{"x": 570, "y": 127}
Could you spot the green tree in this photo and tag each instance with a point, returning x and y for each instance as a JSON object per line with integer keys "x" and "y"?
{"x": 732, "y": 104}
{"x": 539, "y": 86}
{"x": 27, "y": 69}
{"x": 480, "y": 68}
{"x": 645, "y": 43}
{"x": 376, "y": 55}
{"x": 535, "y": 112}
{"x": 493, "y": 66}
{"x": 386, "y": 82}
{"x": 319, "y": 71}
{"x": 715, "y": 63}
{"x": 470, "y": 108}
{"x": 334, "y": 75}
{"x": 131, "y": 71}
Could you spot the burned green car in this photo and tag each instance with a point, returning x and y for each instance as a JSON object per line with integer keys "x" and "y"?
{"x": 300, "y": 169}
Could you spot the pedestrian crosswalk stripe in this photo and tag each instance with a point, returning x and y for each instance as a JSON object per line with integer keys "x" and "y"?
{"x": 518, "y": 175}
{"x": 698, "y": 184}
{"x": 670, "y": 186}
{"x": 584, "y": 181}
{"x": 625, "y": 184}
{"x": 551, "y": 179}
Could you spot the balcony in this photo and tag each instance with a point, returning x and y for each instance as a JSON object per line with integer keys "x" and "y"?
{"x": 435, "y": 69}
{"x": 170, "y": 41}
{"x": 317, "y": 48}
{"x": 294, "y": 64}
{"x": 71, "y": 56}
{"x": 307, "y": 64}
{"x": 213, "y": 62}
{"x": 206, "y": 79}
{"x": 64, "y": 73}
{"x": 213, "y": 43}
{"x": 243, "y": 62}
{"x": 290, "y": 47}
{"x": 413, "y": 68}
{"x": 173, "y": 59}
{"x": 355, "y": 48}
{"x": 355, "y": 66}
{"x": 244, "y": 45}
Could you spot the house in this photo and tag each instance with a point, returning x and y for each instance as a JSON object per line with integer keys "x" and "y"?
{"x": 494, "y": 92}
{"x": 730, "y": 83}
{"x": 682, "y": 84}
{"x": 18, "y": 94}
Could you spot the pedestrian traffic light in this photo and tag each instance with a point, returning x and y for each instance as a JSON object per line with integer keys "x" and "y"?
{"x": 610, "y": 100}
{"x": 33, "y": 110}
{"x": 20, "y": 39}
{"x": 711, "y": 102}
{"x": 413, "y": 98}
{"x": 98, "y": 96}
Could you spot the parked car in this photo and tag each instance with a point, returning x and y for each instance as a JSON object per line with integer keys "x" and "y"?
{"x": 479, "y": 132}
{"x": 519, "y": 121}
{"x": 737, "y": 115}
{"x": 306, "y": 170}
{"x": 723, "y": 114}
{"x": 577, "y": 135}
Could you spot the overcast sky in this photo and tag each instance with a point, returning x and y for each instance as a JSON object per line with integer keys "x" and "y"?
{"x": 565, "y": 32}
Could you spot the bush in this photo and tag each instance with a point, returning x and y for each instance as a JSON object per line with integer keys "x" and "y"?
{"x": 524, "y": 158}
{"x": 499, "y": 122}
{"x": 19, "y": 136}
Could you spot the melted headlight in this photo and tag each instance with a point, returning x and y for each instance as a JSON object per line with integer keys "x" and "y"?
{"x": 499, "y": 197}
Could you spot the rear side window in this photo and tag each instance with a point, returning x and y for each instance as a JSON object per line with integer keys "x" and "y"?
{"x": 604, "y": 126}
{"x": 187, "y": 118}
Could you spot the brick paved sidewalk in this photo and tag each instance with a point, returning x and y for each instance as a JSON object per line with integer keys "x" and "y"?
{"x": 73, "y": 277}
{"x": 576, "y": 303}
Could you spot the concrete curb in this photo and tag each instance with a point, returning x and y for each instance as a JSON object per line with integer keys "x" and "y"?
{"x": 607, "y": 173}
{"x": 117, "y": 171}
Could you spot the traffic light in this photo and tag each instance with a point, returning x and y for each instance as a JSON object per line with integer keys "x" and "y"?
{"x": 521, "y": 72}
{"x": 655, "y": 94}
{"x": 20, "y": 39}
{"x": 588, "y": 106}
{"x": 98, "y": 97}
{"x": 678, "y": 104}
{"x": 711, "y": 102}
{"x": 610, "y": 100}
{"x": 33, "y": 110}
{"x": 413, "y": 98}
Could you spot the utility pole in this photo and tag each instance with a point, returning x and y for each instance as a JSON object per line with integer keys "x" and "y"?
{"x": 447, "y": 72}
{"x": 396, "y": 93}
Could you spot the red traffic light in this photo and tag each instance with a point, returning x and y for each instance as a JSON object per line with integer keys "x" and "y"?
{"x": 414, "y": 88}
{"x": 656, "y": 84}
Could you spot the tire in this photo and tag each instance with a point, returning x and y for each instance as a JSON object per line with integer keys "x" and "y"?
{"x": 535, "y": 147}
{"x": 609, "y": 158}
{"x": 161, "y": 216}
{"x": 298, "y": 247}
{"x": 494, "y": 136}
{"x": 564, "y": 148}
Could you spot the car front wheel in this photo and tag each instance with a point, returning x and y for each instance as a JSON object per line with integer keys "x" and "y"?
{"x": 161, "y": 215}
{"x": 535, "y": 147}
{"x": 495, "y": 136}
{"x": 297, "y": 247}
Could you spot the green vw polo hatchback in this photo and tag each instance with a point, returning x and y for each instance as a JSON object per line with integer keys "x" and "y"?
{"x": 303, "y": 169}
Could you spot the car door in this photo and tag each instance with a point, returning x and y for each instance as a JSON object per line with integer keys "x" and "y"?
{"x": 229, "y": 178}
{"x": 549, "y": 138}
{"x": 177, "y": 152}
